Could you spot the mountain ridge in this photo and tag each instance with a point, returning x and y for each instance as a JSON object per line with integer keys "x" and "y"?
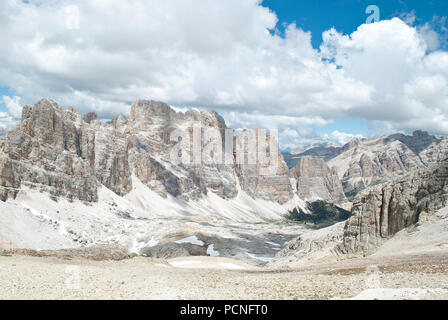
{"x": 364, "y": 162}
{"x": 69, "y": 155}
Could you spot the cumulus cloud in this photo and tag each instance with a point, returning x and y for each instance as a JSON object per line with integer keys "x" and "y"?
{"x": 11, "y": 117}
{"x": 391, "y": 56}
{"x": 292, "y": 131}
{"x": 207, "y": 54}
{"x": 6, "y": 122}
{"x": 102, "y": 55}
{"x": 341, "y": 138}
{"x": 430, "y": 36}
{"x": 13, "y": 106}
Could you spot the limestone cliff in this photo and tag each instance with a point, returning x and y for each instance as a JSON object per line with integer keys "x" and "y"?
{"x": 60, "y": 152}
{"x": 366, "y": 162}
{"x": 382, "y": 211}
{"x": 315, "y": 181}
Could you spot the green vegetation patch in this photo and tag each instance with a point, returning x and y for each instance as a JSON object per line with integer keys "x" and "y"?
{"x": 320, "y": 212}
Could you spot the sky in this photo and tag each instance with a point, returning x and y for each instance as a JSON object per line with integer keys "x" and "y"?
{"x": 318, "y": 16}
{"x": 313, "y": 70}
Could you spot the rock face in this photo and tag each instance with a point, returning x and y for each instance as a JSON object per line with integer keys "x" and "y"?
{"x": 419, "y": 141}
{"x": 89, "y": 117}
{"x": 367, "y": 162}
{"x": 8, "y": 183}
{"x": 174, "y": 250}
{"x": 262, "y": 186}
{"x": 325, "y": 151}
{"x": 60, "y": 152}
{"x": 52, "y": 150}
{"x": 311, "y": 246}
{"x": 382, "y": 211}
{"x": 315, "y": 181}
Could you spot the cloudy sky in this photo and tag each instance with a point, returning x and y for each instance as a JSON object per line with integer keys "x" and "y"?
{"x": 316, "y": 70}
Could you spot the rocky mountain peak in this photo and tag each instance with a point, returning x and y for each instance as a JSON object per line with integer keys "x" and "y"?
{"x": 119, "y": 121}
{"x": 419, "y": 134}
{"x": 381, "y": 211}
{"x": 417, "y": 142}
{"x": 89, "y": 117}
{"x": 211, "y": 118}
{"x": 144, "y": 110}
{"x": 325, "y": 151}
{"x": 354, "y": 143}
{"x": 367, "y": 162}
{"x": 65, "y": 155}
{"x": 316, "y": 181}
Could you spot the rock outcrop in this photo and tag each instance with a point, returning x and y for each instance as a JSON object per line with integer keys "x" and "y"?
{"x": 312, "y": 246}
{"x": 382, "y": 211}
{"x": 324, "y": 150}
{"x": 367, "y": 162}
{"x": 52, "y": 150}
{"x": 89, "y": 117}
{"x": 174, "y": 250}
{"x": 60, "y": 152}
{"x": 315, "y": 181}
{"x": 265, "y": 186}
{"x": 8, "y": 183}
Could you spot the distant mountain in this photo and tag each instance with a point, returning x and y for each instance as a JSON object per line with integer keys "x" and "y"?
{"x": 406, "y": 215}
{"x": 366, "y": 162}
{"x": 324, "y": 150}
{"x": 316, "y": 181}
{"x": 382, "y": 211}
{"x": 419, "y": 141}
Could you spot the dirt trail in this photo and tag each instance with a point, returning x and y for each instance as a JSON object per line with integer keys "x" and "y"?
{"x": 24, "y": 277}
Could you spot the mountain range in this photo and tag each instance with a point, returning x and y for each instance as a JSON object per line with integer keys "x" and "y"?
{"x": 365, "y": 162}
{"x": 68, "y": 180}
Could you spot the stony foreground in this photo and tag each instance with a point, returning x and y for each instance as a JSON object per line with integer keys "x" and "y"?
{"x": 423, "y": 276}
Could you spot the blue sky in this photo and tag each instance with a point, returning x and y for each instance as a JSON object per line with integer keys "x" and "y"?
{"x": 208, "y": 55}
{"x": 345, "y": 16}
{"x": 318, "y": 16}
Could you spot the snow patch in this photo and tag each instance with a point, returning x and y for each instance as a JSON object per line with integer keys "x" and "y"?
{"x": 233, "y": 266}
{"x": 211, "y": 251}
{"x": 264, "y": 259}
{"x": 192, "y": 240}
{"x": 138, "y": 246}
{"x": 183, "y": 263}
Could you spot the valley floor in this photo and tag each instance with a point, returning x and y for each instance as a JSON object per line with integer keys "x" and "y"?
{"x": 418, "y": 276}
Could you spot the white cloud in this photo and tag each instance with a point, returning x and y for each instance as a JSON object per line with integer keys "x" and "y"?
{"x": 102, "y": 55}
{"x": 71, "y": 16}
{"x": 341, "y": 138}
{"x": 409, "y": 17}
{"x": 12, "y": 116}
{"x": 13, "y": 106}
{"x": 207, "y": 54}
{"x": 6, "y": 122}
{"x": 390, "y": 56}
{"x": 292, "y": 131}
{"x": 430, "y": 37}
{"x": 432, "y": 32}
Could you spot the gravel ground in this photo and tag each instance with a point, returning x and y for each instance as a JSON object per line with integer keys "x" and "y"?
{"x": 25, "y": 277}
